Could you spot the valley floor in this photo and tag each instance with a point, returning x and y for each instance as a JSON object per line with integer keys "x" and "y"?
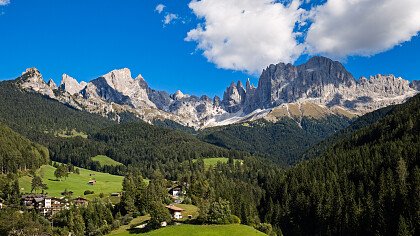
{"x": 201, "y": 230}
{"x": 77, "y": 183}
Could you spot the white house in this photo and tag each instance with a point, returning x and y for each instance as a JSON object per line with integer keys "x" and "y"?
{"x": 176, "y": 212}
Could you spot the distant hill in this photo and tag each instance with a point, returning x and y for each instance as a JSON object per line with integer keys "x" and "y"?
{"x": 283, "y": 141}
{"x": 19, "y": 153}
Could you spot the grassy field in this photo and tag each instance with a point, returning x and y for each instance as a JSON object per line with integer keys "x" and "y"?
{"x": 189, "y": 210}
{"x": 105, "y": 161}
{"x": 136, "y": 221}
{"x": 202, "y": 230}
{"x": 105, "y": 183}
{"x": 214, "y": 160}
{"x": 70, "y": 134}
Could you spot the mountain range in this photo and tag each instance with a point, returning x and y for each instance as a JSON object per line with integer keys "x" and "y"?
{"x": 318, "y": 88}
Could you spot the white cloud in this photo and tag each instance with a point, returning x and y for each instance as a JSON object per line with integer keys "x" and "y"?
{"x": 4, "y": 2}
{"x": 246, "y": 35}
{"x": 169, "y": 17}
{"x": 159, "y": 8}
{"x": 362, "y": 27}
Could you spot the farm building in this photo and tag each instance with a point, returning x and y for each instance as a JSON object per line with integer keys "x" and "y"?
{"x": 176, "y": 212}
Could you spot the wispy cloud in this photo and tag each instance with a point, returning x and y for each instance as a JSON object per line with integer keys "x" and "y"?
{"x": 159, "y": 8}
{"x": 4, "y": 2}
{"x": 170, "y": 17}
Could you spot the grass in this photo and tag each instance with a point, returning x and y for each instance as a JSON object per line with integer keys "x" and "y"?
{"x": 105, "y": 183}
{"x": 189, "y": 210}
{"x": 124, "y": 229}
{"x": 105, "y": 161}
{"x": 214, "y": 160}
{"x": 201, "y": 230}
{"x": 71, "y": 134}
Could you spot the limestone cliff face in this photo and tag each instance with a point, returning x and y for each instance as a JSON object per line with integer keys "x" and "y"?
{"x": 31, "y": 79}
{"x": 317, "y": 88}
{"x": 324, "y": 82}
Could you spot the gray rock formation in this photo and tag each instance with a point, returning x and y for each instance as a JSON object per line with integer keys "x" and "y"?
{"x": 32, "y": 80}
{"x": 317, "y": 88}
{"x": 415, "y": 84}
{"x": 70, "y": 85}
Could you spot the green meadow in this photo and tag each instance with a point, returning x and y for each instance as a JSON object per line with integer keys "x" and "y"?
{"x": 78, "y": 183}
{"x": 201, "y": 230}
{"x": 214, "y": 160}
{"x": 105, "y": 161}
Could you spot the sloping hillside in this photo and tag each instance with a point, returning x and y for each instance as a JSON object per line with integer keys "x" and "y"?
{"x": 366, "y": 183}
{"x": 19, "y": 153}
{"x": 284, "y": 141}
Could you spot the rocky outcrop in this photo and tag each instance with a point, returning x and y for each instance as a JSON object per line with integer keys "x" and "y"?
{"x": 70, "y": 85}
{"x": 325, "y": 82}
{"x": 234, "y": 97}
{"x": 32, "y": 80}
{"x": 415, "y": 84}
{"x": 52, "y": 84}
{"x": 320, "y": 87}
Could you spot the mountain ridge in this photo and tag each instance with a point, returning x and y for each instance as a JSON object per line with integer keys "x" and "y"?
{"x": 321, "y": 82}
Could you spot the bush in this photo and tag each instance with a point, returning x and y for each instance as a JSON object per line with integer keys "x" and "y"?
{"x": 234, "y": 219}
{"x": 101, "y": 195}
{"x": 265, "y": 228}
{"x": 87, "y": 192}
{"x": 126, "y": 220}
{"x": 187, "y": 200}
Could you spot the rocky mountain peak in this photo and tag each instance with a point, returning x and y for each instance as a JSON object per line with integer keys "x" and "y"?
{"x": 178, "y": 95}
{"x": 52, "y": 84}
{"x": 320, "y": 81}
{"x": 70, "y": 84}
{"x": 233, "y": 97}
{"x": 31, "y": 75}
{"x": 32, "y": 79}
{"x": 119, "y": 79}
{"x": 387, "y": 85}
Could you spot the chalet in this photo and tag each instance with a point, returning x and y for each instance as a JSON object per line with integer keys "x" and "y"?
{"x": 80, "y": 201}
{"x": 176, "y": 191}
{"x": 58, "y": 204}
{"x": 45, "y": 205}
{"x": 176, "y": 212}
{"x": 92, "y": 182}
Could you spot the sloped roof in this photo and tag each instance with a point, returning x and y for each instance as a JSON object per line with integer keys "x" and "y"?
{"x": 174, "y": 208}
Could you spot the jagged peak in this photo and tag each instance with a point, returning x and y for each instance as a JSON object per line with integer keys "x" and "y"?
{"x": 179, "y": 95}
{"x": 33, "y": 75}
{"x": 32, "y": 70}
{"x": 123, "y": 73}
{"x": 239, "y": 84}
{"x": 52, "y": 84}
{"x": 68, "y": 79}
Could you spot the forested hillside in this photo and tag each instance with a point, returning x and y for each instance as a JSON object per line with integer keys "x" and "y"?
{"x": 32, "y": 114}
{"x": 283, "y": 142}
{"x": 152, "y": 148}
{"x": 19, "y": 153}
{"x": 366, "y": 184}
{"x": 149, "y": 147}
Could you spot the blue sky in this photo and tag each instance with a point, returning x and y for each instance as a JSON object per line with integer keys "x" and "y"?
{"x": 86, "y": 39}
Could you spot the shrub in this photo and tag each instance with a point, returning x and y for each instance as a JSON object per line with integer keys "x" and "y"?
{"x": 234, "y": 219}
{"x": 265, "y": 228}
{"x": 87, "y": 192}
